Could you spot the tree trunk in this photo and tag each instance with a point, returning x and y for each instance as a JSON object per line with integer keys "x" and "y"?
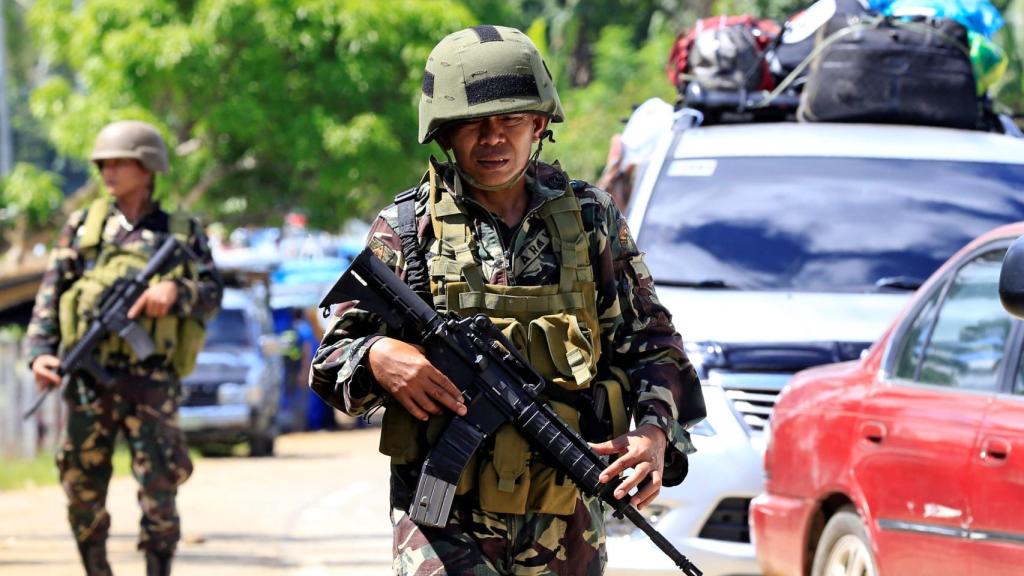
{"x": 15, "y": 237}
{"x": 213, "y": 176}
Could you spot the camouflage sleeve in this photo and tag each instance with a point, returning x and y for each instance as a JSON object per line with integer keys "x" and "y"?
{"x": 340, "y": 374}
{"x": 637, "y": 330}
{"x": 199, "y": 296}
{"x": 61, "y": 271}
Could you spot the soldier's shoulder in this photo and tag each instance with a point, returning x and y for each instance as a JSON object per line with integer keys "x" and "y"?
{"x": 73, "y": 225}
{"x": 420, "y": 193}
{"x": 591, "y": 194}
{"x": 597, "y": 206}
{"x": 77, "y": 217}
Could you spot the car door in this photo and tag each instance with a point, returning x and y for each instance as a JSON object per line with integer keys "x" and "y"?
{"x": 918, "y": 428}
{"x": 997, "y": 481}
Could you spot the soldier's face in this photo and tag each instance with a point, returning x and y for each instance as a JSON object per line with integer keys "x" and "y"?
{"x": 125, "y": 177}
{"x": 495, "y": 149}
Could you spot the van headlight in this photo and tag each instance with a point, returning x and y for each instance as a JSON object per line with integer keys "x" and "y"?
{"x": 615, "y": 526}
{"x": 704, "y": 356}
{"x": 231, "y": 393}
{"x": 702, "y": 428}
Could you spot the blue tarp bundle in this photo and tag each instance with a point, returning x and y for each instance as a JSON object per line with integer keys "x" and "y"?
{"x": 978, "y": 16}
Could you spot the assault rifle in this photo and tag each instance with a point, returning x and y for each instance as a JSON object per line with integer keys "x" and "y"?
{"x": 112, "y": 317}
{"x": 498, "y": 385}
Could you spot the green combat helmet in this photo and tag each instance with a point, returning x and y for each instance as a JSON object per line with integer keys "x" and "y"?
{"x": 131, "y": 139}
{"x": 483, "y": 71}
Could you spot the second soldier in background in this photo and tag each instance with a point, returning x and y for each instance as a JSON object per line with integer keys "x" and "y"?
{"x": 113, "y": 238}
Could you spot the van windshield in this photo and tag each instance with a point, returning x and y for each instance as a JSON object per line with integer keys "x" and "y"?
{"x": 822, "y": 224}
{"x": 228, "y": 329}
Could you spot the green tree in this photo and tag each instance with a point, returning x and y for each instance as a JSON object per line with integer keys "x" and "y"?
{"x": 28, "y": 196}
{"x": 1010, "y": 92}
{"x": 267, "y": 104}
{"x": 623, "y": 77}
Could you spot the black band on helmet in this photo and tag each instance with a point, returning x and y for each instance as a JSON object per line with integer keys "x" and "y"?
{"x": 428, "y": 84}
{"x": 503, "y": 86}
{"x": 487, "y": 33}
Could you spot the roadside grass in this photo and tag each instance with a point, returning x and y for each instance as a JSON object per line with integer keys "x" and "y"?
{"x": 20, "y": 473}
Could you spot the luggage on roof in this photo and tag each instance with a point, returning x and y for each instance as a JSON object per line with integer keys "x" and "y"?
{"x": 877, "y": 61}
{"x": 893, "y": 71}
{"x": 795, "y": 43}
{"x": 723, "y": 53}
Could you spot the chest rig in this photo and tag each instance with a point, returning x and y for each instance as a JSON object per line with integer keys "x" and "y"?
{"x": 177, "y": 340}
{"x": 554, "y": 325}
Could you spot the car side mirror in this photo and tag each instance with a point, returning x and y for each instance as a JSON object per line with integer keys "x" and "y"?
{"x": 1011, "y": 279}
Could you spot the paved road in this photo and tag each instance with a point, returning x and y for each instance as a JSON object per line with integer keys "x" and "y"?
{"x": 318, "y": 508}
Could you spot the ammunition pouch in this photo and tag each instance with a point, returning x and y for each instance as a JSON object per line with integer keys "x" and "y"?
{"x": 555, "y": 327}
{"x": 177, "y": 340}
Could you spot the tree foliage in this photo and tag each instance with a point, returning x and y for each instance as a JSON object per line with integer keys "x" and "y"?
{"x": 29, "y": 193}
{"x": 29, "y": 197}
{"x": 271, "y": 104}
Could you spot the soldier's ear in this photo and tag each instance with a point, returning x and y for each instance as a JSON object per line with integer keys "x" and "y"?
{"x": 442, "y": 140}
{"x": 540, "y": 124}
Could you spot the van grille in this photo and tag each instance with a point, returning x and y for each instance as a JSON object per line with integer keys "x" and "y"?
{"x": 752, "y": 396}
{"x": 200, "y": 394}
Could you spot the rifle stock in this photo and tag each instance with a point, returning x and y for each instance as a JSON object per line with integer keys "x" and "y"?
{"x": 498, "y": 385}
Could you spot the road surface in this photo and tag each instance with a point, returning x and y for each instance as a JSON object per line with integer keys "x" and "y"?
{"x": 318, "y": 508}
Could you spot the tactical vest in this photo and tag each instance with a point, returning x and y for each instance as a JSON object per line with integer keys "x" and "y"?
{"x": 555, "y": 326}
{"x": 178, "y": 340}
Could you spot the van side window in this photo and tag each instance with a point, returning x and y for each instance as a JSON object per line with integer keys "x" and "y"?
{"x": 967, "y": 341}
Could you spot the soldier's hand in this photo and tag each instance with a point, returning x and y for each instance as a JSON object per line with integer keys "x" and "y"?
{"x": 156, "y": 301}
{"x": 406, "y": 374}
{"x": 44, "y": 368}
{"x": 643, "y": 450}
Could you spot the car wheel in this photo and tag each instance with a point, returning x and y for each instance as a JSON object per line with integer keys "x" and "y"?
{"x": 261, "y": 445}
{"x": 844, "y": 548}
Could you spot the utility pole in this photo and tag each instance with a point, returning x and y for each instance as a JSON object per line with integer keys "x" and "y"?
{"x": 6, "y": 141}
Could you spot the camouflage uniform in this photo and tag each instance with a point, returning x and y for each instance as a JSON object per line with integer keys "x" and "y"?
{"x": 143, "y": 398}
{"x": 637, "y": 335}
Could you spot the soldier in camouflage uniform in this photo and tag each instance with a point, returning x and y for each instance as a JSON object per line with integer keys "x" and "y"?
{"x": 141, "y": 401}
{"x": 554, "y": 266}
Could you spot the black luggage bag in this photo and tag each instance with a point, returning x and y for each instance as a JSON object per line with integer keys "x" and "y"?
{"x": 892, "y": 72}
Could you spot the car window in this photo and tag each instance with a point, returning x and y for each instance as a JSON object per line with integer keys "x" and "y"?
{"x": 823, "y": 224}
{"x": 916, "y": 337}
{"x": 1018, "y": 385}
{"x": 968, "y": 339}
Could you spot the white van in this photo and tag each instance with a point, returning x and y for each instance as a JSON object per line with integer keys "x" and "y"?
{"x": 780, "y": 246}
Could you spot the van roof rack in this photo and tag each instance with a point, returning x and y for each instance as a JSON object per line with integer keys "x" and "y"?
{"x": 740, "y": 107}
{"x": 728, "y": 107}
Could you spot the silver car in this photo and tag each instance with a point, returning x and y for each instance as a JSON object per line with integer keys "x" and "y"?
{"x": 232, "y": 396}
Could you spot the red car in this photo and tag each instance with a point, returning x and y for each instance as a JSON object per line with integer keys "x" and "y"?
{"x": 911, "y": 460}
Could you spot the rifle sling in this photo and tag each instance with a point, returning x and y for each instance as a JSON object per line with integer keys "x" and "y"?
{"x": 416, "y": 275}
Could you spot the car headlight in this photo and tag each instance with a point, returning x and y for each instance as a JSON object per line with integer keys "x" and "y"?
{"x": 231, "y": 393}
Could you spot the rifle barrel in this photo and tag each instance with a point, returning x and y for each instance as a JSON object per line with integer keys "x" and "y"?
{"x": 660, "y": 541}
